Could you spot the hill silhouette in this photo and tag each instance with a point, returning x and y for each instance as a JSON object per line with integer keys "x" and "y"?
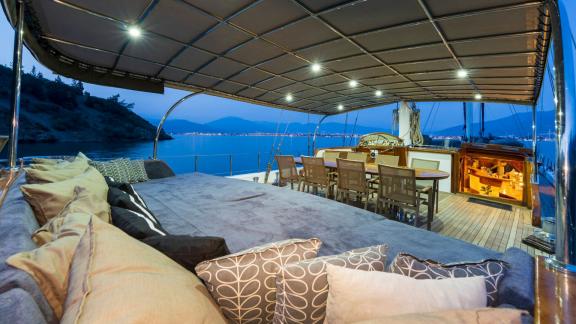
{"x": 53, "y": 111}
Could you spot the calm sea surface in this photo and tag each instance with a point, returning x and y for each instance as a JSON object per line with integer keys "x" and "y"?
{"x": 208, "y": 154}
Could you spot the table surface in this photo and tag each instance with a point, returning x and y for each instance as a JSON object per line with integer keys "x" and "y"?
{"x": 371, "y": 168}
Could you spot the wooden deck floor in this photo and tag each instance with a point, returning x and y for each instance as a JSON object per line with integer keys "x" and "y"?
{"x": 494, "y": 228}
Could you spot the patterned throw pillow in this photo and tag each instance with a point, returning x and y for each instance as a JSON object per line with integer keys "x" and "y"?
{"x": 243, "y": 284}
{"x": 493, "y": 271}
{"x": 122, "y": 170}
{"x": 302, "y": 288}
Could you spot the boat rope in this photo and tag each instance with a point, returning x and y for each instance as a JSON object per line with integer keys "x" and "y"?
{"x": 415, "y": 131}
{"x": 395, "y": 120}
{"x": 429, "y": 115}
{"x": 308, "y": 132}
{"x": 271, "y": 157}
{"x": 516, "y": 119}
{"x": 354, "y": 128}
{"x": 345, "y": 130}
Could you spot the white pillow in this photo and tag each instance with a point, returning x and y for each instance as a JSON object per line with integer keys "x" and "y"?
{"x": 356, "y": 295}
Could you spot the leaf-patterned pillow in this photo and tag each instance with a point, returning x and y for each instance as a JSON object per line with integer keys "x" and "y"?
{"x": 243, "y": 284}
{"x": 122, "y": 170}
{"x": 493, "y": 271}
{"x": 302, "y": 287}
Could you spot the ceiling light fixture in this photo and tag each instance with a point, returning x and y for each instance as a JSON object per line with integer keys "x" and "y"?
{"x": 316, "y": 67}
{"x": 353, "y": 83}
{"x": 134, "y": 31}
{"x": 340, "y": 107}
{"x": 462, "y": 73}
{"x": 289, "y": 97}
{"x": 477, "y": 96}
{"x": 378, "y": 93}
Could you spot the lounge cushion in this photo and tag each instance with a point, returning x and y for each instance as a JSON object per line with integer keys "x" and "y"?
{"x": 302, "y": 287}
{"x": 82, "y": 202}
{"x": 466, "y": 316}
{"x": 493, "y": 271}
{"x": 357, "y": 295}
{"x": 158, "y": 169}
{"x": 117, "y": 279}
{"x": 123, "y": 199}
{"x": 187, "y": 250}
{"x": 243, "y": 284}
{"x": 126, "y": 187}
{"x": 517, "y": 288}
{"x": 49, "y": 264}
{"x": 57, "y": 172}
{"x": 48, "y": 199}
{"x": 18, "y": 306}
{"x": 135, "y": 223}
{"x": 122, "y": 170}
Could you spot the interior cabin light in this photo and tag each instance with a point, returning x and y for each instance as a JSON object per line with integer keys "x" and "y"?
{"x": 462, "y": 73}
{"x": 134, "y": 31}
{"x": 340, "y": 107}
{"x": 289, "y": 98}
{"x": 477, "y": 96}
{"x": 378, "y": 93}
{"x": 316, "y": 67}
{"x": 353, "y": 83}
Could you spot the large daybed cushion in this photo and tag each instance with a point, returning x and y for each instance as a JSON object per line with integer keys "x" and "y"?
{"x": 247, "y": 214}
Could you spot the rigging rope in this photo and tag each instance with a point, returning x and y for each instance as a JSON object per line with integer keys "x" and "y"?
{"x": 271, "y": 157}
{"x": 345, "y": 130}
{"x": 353, "y": 128}
{"x": 429, "y": 115}
{"x": 516, "y": 119}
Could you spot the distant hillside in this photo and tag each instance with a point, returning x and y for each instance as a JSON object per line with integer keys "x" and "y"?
{"x": 234, "y": 125}
{"x": 52, "y": 111}
{"x": 519, "y": 125}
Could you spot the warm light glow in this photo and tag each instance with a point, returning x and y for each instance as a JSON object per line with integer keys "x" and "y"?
{"x": 289, "y": 97}
{"x": 340, "y": 107}
{"x": 462, "y": 73}
{"x": 378, "y": 93}
{"x": 353, "y": 83}
{"x": 477, "y": 96}
{"x": 134, "y": 31}
{"x": 316, "y": 67}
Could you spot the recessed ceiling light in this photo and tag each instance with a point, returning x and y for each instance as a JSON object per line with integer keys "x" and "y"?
{"x": 316, "y": 67}
{"x": 462, "y": 73}
{"x": 340, "y": 107}
{"x": 477, "y": 96}
{"x": 289, "y": 97}
{"x": 134, "y": 31}
{"x": 378, "y": 93}
{"x": 353, "y": 83}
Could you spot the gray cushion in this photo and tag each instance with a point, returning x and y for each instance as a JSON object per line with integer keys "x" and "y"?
{"x": 517, "y": 288}
{"x": 17, "y": 306}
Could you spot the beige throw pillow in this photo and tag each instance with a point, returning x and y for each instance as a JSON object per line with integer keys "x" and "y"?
{"x": 49, "y": 264}
{"x": 471, "y": 316}
{"x": 117, "y": 279}
{"x": 56, "y": 173}
{"x": 357, "y": 295}
{"x": 82, "y": 202}
{"x": 243, "y": 284}
{"x": 48, "y": 199}
{"x": 302, "y": 287}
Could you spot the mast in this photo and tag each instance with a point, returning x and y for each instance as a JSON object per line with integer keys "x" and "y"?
{"x": 16, "y": 85}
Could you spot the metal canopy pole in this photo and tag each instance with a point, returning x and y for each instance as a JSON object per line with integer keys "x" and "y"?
{"x": 16, "y": 85}
{"x": 482, "y": 111}
{"x": 161, "y": 124}
{"x": 534, "y": 148}
{"x": 465, "y": 122}
{"x": 316, "y": 132}
{"x": 565, "y": 175}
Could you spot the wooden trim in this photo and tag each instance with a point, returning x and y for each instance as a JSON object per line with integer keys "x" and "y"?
{"x": 536, "y": 205}
{"x": 555, "y": 295}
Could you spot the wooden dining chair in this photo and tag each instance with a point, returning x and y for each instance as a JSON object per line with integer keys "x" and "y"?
{"x": 316, "y": 175}
{"x": 287, "y": 170}
{"x": 331, "y": 155}
{"x": 357, "y": 156}
{"x": 389, "y": 160}
{"x": 425, "y": 185}
{"x": 398, "y": 189}
{"x": 352, "y": 181}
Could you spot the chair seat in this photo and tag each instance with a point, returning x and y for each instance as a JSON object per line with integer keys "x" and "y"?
{"x": 423, "y": 189}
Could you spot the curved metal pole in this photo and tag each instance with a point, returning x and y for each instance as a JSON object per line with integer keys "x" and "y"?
{"x": 565, "y": 174}
{"x": 161, "y": 124}
{"x": 315, "y": 132}
{"x": 16, "y": 86}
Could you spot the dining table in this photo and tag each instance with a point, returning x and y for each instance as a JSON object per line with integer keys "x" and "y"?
{"x": 421, "y": 174}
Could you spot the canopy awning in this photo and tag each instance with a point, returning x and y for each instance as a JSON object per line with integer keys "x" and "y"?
{"x": 369, "y": 52}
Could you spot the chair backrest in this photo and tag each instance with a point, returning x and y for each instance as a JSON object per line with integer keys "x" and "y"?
{"x": 314, "y": 170}
{"x": 331, "y": 155}
{"x": 357, "y": 156}
{"x": 286, "y": 167}
{"x": 351, "y": 175}
{"x": 425, "y": 164}
{"x": 398, "y": 184}
{"x": 389, "y": 160}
